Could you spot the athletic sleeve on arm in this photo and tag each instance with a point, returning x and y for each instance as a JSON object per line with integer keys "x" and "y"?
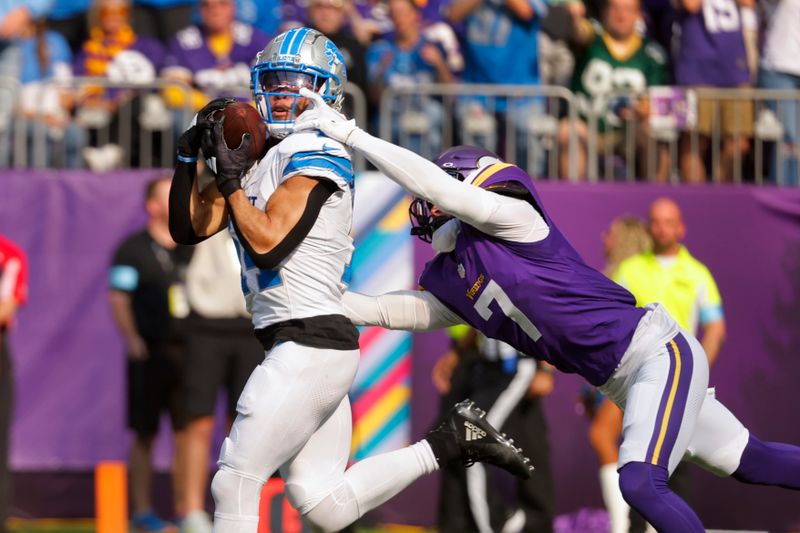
{"x": 408, "y": 310}
{"x": 180, "y": 194}
{"x": 477, "y": 207}
{"x": 709, "y": 300}
{"x": 515, "y": 220}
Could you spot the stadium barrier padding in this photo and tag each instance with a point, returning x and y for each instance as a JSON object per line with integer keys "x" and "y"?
{"x": 69, "y": 373}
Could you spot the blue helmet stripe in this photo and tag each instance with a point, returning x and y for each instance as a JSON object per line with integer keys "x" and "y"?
{"x": 297, "y": 42}
{"x": 287, "y": 39}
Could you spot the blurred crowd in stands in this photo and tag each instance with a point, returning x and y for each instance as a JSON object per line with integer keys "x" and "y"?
{"x": 627, "y": 64}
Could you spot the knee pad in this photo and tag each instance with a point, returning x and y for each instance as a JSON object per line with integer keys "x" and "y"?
{"x": 336, "y": 511}
{"x": 235, "y": 494}
{"x": 642, "y": 482}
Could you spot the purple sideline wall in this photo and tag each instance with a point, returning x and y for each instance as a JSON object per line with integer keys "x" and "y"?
{"x": 69, "y": 369}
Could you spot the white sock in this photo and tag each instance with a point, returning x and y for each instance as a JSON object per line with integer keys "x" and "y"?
{"x": 615, "y": 504}
{"x": 236, "y": 499}
{"x": 371, "y": 482}
{"x": 235, "y": 524}
{"x": 378, "y": 478}
{"x": 426, "y": 456}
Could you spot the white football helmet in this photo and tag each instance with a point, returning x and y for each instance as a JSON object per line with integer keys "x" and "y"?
{"x": 300, "y": 57}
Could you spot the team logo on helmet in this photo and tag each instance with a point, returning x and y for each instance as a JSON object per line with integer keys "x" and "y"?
{"x": 333, "y": 54}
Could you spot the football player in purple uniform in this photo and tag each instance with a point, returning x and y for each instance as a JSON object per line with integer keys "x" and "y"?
{"x": 504, "y": 268}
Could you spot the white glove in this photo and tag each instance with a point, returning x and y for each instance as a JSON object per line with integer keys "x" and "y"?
{"x": 320, "y": 116}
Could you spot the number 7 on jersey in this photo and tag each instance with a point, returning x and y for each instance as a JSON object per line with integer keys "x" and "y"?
{"x": 493, "y": 291}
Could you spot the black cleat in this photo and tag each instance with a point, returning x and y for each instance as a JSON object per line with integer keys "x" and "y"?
{"x": 466, "y": 436}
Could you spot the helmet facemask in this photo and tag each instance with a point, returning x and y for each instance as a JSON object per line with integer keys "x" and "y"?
{"x": 298, "y": 58}
{"x": 424, "y": 223}
{"x": 460, "y": 162}
{"x": 276, "y": 93}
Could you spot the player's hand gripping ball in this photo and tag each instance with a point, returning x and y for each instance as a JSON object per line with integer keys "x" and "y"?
{"x": 190, "y": 142}
{"x": 231, "y": 163}
{"x": 238, "y": 119}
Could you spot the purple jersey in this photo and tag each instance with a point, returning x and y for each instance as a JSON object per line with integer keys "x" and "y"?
{"x": 190, "y": 54}
{"x": 124, "y": 58}
{"x": 711, "y": 50}
{"x": 95, "y": 58}
{"x": 541, "y": 298}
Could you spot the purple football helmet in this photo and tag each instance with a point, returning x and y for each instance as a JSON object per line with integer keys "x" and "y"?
{"x": 458, "y": 162}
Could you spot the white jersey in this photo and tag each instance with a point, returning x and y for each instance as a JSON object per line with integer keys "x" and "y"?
{"x": 310, "y": 280}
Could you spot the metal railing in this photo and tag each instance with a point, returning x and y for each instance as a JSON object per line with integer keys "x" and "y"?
{"x": 133, "y": 119}
{"x": 611, "y": 139}
{"x": 131, "y": 116}
{"x": 700, "y": 134}
{"x": 766, "y": 130}
{"x": 520, "y": 122}
{"x": 548, "y": 130}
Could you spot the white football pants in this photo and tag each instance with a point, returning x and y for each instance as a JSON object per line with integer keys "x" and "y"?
{"x": 294, "y": 415}
{"x": 661, "y": 384}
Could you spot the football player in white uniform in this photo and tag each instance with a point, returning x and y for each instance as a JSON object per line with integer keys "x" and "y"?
{"x": 290, "y": 216}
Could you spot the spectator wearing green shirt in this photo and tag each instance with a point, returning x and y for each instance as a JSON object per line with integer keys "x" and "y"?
{"x": 614, "y": 67}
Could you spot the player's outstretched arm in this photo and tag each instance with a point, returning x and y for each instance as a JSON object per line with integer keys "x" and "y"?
{"x": 504, "y": 217}
{"x": 408, "y": 310}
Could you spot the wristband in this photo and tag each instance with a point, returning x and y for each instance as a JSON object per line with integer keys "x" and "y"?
{"x": 187, "y": 158}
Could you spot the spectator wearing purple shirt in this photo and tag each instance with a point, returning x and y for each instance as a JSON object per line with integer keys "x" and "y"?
{"x": 712, "y": 53}
{"x": 215, "y": 56}
{"x": 116, "y": 52}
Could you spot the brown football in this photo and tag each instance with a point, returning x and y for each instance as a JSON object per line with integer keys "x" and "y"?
{"x": 241, "y": 118}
